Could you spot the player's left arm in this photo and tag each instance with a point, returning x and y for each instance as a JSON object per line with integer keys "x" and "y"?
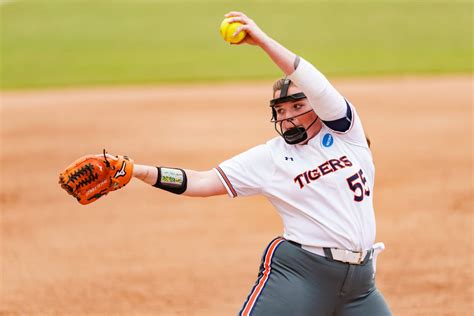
{"x": 326, "y": 101}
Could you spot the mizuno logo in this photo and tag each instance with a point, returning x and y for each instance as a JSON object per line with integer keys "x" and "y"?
{"x": 289, "y": 158}
{"x": 121, "y": 172}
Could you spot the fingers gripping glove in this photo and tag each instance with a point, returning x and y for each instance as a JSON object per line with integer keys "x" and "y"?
{"x": 93, "y": 176}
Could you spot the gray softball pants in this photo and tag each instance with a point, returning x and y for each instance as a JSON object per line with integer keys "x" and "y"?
{"x": 296, "y": 282}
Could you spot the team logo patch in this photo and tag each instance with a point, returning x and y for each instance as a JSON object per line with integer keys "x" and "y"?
{"x": 328, "y": 140}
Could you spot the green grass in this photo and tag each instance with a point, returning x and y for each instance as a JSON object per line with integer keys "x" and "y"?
{"x": 47, "y": 43}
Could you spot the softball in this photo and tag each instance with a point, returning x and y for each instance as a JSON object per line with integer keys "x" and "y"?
{"x": 227, "y": 29}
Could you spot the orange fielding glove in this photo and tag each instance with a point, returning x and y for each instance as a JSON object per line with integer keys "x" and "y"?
{"x": 93, "y": 176}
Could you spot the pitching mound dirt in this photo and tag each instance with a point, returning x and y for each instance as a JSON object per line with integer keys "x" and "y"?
{"x": 143, "y": 251}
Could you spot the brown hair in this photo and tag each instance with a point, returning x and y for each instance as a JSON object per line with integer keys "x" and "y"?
{"x": 368, "y": 140}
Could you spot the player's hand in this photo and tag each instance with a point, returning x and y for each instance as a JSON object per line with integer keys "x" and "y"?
{"x": 255, "y": 36}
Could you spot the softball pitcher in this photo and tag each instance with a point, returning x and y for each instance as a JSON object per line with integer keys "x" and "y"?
{"x": 319, "y": 175}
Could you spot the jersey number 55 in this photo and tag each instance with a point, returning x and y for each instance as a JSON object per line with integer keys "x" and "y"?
{"x": 357, "y": 183}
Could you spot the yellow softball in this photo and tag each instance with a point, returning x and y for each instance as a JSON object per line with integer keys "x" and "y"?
{"x": 228, "y": 29}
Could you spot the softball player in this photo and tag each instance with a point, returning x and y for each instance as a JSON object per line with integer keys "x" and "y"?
{"x": 319, "y": 175}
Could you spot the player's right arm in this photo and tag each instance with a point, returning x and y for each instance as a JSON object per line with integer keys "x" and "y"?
{"x": 326, "y": 101}
{"x": 198, "y": 183}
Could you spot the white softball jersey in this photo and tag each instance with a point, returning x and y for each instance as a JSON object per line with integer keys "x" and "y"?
{"x": 322, "y": 190}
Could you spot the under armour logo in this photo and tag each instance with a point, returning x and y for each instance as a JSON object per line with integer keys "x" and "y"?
{"x": 121, "y": 172}
{"x": 289, "y": 158}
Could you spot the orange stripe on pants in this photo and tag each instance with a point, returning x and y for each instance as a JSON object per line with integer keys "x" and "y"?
{"x": 266, "y": 273}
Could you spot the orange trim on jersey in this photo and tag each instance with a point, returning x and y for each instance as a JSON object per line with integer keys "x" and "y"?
{"x": 229, "y": 185}
{"x": 266, "y": 273}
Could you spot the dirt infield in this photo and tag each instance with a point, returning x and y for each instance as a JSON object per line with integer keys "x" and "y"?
{"x": 142, "y": 251}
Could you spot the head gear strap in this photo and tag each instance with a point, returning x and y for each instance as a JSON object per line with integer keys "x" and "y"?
{"x": 284, "y": 89}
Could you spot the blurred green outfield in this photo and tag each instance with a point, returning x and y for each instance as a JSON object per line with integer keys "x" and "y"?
{"x": 46, "y": 43}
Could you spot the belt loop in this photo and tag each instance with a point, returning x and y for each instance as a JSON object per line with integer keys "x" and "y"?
{"x": 368, "y": 256}
{"x": 328, "y": 253}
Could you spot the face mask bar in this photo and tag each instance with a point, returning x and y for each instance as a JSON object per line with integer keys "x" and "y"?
{"x": 286, "y": 98}
{"x": 274, "y": 120}
{"x": 295, "y": 134}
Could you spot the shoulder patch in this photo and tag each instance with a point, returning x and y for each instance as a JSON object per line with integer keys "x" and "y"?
{"x": 327, "y": 140}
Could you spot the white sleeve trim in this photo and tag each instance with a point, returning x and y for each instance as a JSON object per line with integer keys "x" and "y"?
{"x": 326, "y": 101}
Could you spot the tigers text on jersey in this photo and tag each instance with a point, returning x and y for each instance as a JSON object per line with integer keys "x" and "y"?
{"x": 322, "y": 190}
